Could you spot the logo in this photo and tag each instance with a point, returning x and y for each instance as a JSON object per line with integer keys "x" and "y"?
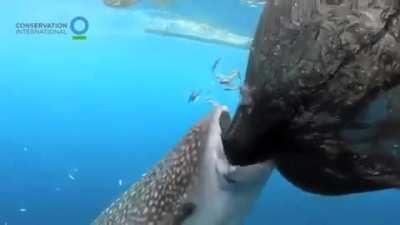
{"x": 41, "y": 28}
{"x": 79, "y": 26}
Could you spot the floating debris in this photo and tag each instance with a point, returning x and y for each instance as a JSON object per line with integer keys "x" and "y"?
{"x": 23, "y": 210}
{"x": 196, "y": 31}
{"x": 253, "y": 3}
{"x": 120, "y": 3}
{"x": 194, "y": 96}
{"x": 71, "y": 177}
{"x": 72, "y": 173}
{"x": 163, "y": 2}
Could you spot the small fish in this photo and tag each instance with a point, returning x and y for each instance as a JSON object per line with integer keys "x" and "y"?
{"x": 229, "y": 78}
{"x": 23, "y": 210}
{"x": 120, "y": 182}
{"x": 194, "y": 96}
{"x": 212, "y": 101}
{"x": 26, "y": 149}
{"x": 231, "y": 87}
{"x": 215, "y": 64}
{"x": 71, "y": 177}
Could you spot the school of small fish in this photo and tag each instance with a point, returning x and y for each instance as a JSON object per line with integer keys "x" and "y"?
{"x": 228, "y": 81}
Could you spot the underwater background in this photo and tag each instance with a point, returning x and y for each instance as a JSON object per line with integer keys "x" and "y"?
{"x": 80, "y": 121}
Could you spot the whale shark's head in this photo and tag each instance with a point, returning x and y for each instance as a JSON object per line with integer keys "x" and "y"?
{"x": 194, "y": 184}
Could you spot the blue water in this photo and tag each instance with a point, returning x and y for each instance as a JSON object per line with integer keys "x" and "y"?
{"x": 78, "y": 116}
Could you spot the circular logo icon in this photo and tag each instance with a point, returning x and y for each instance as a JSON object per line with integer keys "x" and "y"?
{"x": 79, "y": 25}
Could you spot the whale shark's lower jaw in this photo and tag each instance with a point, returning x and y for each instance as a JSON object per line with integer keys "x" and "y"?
{"x": 226, "y": 192}
{"x": 193, "y": 185}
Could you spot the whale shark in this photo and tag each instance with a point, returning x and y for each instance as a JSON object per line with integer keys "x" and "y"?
{"x": 194, "y": 184}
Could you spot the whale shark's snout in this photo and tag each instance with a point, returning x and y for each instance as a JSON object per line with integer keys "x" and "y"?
{"x": 193, "y": 185}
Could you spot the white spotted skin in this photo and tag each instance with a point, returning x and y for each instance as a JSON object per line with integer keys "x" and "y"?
{"x": 218, "y": 201}
{"x": 195, "y": 173}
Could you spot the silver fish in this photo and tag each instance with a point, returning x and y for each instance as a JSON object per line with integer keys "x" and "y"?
{"x": 194, "y": 96}
{"x": 229, "y": 78}
{"x": 215, "y": 64}
{"x": 193, "y": 185}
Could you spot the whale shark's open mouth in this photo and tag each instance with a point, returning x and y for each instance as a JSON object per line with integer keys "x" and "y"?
{"x": 194, "y": 183}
